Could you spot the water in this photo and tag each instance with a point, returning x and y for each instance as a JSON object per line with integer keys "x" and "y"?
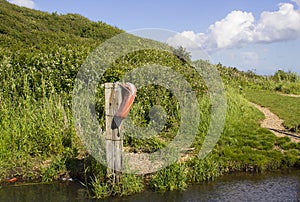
{"x": 275, "y": 186}
{"x": 55, "y": 192}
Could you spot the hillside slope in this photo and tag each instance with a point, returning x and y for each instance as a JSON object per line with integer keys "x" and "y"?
{"x": 27, "y": 27}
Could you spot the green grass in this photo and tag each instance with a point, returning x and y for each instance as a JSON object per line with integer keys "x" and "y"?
{"x": 243, "y": 146}
{"x": 244, "y": 141}
{"x": 33, "y": 132}
{"x": 129, "y": 184}
{"x": 287, "y": 108}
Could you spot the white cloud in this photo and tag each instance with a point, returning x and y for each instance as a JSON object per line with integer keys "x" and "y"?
{"x": 191, "y": 41}
{"x": 236, "y": 28}
{"x": 297, "y": 2}
{"x": 188, "y": 39}
{"x": 25, "y": 3}
{"x": 281, "y": 25}
{"x": 240, "y": 28}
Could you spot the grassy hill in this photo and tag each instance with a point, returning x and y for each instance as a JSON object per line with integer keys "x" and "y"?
{"x": 40, "y": 55}
{"x": 27, "y": 27}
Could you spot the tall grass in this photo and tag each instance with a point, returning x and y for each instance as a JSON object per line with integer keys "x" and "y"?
{"x": 33, "y": 131}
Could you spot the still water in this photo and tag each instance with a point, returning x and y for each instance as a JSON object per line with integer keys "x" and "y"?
{"x": 275, "y": 186}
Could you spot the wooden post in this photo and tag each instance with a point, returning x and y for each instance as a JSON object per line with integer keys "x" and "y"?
{"x": 114, "y": 137}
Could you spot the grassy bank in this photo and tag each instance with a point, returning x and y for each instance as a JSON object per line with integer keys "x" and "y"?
{"x": 242, "y": 147}
{"x": 43, "y": 146}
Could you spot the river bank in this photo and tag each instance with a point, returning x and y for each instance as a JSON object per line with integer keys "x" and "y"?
{"x": 280, "y": 185}
{"x": 241, "y": 147}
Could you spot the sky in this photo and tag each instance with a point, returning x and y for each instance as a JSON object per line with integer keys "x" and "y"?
{"x": 258, "y": 35}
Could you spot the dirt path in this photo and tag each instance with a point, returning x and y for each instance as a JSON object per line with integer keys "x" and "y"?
{"x": 274, "y": 124}
{"x": 289, "y": 95}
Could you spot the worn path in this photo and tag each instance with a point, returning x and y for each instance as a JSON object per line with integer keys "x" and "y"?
{"x": 289, "y": 95}
{"x": 274, "y": 124}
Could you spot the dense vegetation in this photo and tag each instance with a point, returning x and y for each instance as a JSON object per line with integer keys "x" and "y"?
{"x": 281, "y": 81}
{"x": 40, "y": 55}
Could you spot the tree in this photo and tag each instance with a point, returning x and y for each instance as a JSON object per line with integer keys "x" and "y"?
{"x": 182, "y": 54}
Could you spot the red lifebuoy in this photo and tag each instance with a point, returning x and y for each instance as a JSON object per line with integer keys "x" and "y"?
{"x": 128, "y": 95}
{"x": 12, "y": 180}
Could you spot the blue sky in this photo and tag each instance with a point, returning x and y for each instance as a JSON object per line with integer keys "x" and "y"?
{"x": 257, "y": 35}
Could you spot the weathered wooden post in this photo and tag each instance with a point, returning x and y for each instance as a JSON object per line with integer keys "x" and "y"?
{"x": 114, "y": 136}
{"x": 118, "y": 101}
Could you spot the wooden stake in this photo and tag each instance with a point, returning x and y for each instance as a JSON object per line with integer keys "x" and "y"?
{"x": 114, "y": 137}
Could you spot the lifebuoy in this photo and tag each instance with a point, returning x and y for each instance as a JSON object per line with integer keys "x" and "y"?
{"x": 128, "y": 91}
{"x": 11, "y": 180}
